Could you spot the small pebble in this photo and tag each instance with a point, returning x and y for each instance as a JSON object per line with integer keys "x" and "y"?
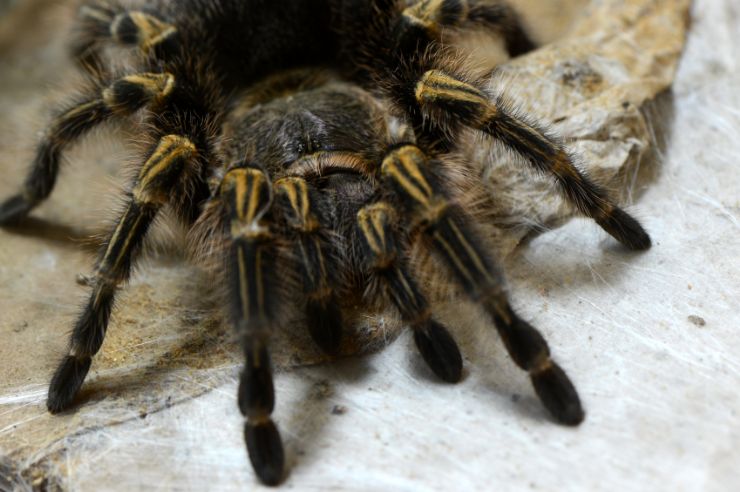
{"x": 339, "y": 410}
{"x": 697, "y": 320}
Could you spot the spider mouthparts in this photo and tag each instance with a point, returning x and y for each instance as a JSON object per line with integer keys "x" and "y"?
{"x": 558, "y": 395}
{"x": 14, "y": 209}
{"x": 265, "y": 451}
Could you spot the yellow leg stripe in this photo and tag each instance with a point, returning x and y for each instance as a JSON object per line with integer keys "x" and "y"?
{"x": 404, "y": 165}
{"x": 74, "y": 113}
{"x": 470, "y": 252}
{"x": 115, "y": 236}
{"x": 296, "y": 189}
{"x": 151, "y": 31}
{"x": 243, "y": 283}
{"x": 156, "y": 87}
{"x": 453, "y": 256}
{"x": 172, "y": 150}
{"x": 426, "y": 93}
{"x": 429, "y": 13}
{"x": 372, "y": 221}
{"x": 258, "y": 280}
{"x": 247, "y": 193}
{"x": 436, "y": 85}
{"x": 248, "y": 186}
{"x": 437, "y": 82}
{"x": 127, "y": 244}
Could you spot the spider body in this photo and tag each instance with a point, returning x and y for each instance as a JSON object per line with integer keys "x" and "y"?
{"x": 307, "y": 141}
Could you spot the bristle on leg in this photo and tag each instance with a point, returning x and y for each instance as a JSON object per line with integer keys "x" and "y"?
{"x": 66, "y": 382}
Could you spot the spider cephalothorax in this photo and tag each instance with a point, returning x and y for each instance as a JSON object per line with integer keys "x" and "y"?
{"x": 307, "y": 141}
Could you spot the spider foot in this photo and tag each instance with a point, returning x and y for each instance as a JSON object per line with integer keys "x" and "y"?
{"x": 625, "y": 229}
{"x": 66, "y": 382}
{"x": 440, "y": 351}
{"x": 558, "y": 394}
{"x": 14, "y": 209}
{"x": 265, "y": 450}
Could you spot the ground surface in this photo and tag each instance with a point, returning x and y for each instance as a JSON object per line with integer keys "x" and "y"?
{"x": 650, "y": 340}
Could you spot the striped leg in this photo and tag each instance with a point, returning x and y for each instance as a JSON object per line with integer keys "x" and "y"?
{"x": 160, "y": 174}
{"x": 428, "y": 18}
{"x": 124, "y": 96}
{"x": 246, "y": 195}
{"x": 300, "y": 206}
{"x": 383, "y": 263}
{"x": 444, "y": 97}
{"x": 406, "y": 168}
{"x": 99, "y": 23}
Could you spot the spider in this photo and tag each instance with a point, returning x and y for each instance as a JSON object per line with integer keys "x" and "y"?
{"x": 306, "y": 146}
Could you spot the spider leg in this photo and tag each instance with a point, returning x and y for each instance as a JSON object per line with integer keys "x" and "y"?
{"x": 100, "y": 22}
{"x": 126, "y": 95}
{"x": 301, "y": 208}
{"x": 160, "y": 173}
{"x": 247, "y": 196}
{"x": 447, "y": 100}
{"x": 431, "y": 16}
{"x": 384, "y": 263}
{"x": 407, "y": 169}
{"x": 438, "y": 102}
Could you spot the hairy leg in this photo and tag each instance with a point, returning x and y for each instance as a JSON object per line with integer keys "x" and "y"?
{"x": 408, "y": 171}
{"x": 448, "y": 100}
{"x": 103, "y": 22}
{"x": 159, "y": 175}
{"x": 124, "y": 96}
{"x": 246, "y": 196}
{"x": 299, "y": 204}
{"x": 383, "y": 261}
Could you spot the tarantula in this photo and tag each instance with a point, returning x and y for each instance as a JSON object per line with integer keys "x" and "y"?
{"x": 307, "y": 139}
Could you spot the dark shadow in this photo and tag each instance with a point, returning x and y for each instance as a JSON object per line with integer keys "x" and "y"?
{"x": 660, "y": 116}
{"x": 60, "y": 234}
{"x": 315, "y": 410}
{"x": 569, "y": 265}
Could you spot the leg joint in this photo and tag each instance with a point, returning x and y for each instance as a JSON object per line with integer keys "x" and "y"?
{"x": 163, "y": 169}
{"x": 375, "y": 223}
{"x": 247, "y": 195}
{"x": 437, "y": 89}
